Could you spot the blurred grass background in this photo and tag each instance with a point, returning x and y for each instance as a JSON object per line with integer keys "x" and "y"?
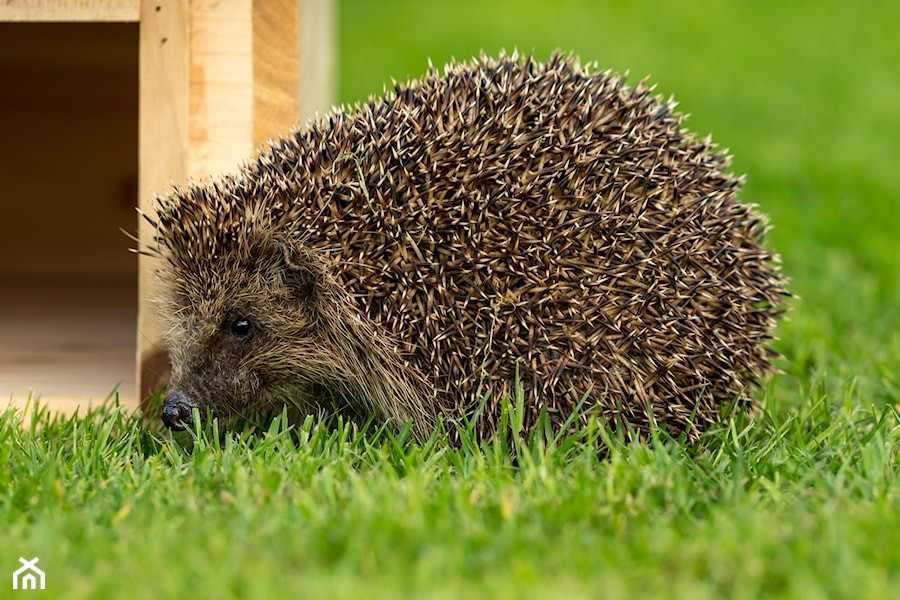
{"x": 805, "y": 94}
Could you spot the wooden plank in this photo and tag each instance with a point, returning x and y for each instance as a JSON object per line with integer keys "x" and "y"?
{"x": 221, "y": 86}
{"x": 70, "y": 349}
{"x": 275, "y": 68}
{"x": 317, "y": 52}
{"x": 69, "y": 10}
{"x": 163, "y": 156}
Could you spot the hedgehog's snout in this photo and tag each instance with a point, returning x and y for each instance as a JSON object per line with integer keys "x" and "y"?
{"x": 176, "y": 412}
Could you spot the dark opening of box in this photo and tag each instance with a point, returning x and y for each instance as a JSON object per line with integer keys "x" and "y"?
{"x": 68, "y": 184}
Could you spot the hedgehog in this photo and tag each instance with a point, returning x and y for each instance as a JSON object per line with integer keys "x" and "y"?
{"x": 504, "y": 230}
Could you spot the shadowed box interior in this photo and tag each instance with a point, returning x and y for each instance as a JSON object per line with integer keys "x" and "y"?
{"x": 68, "y": 167}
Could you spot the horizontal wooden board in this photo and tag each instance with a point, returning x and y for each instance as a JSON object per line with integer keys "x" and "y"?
{"x": 69, "y": 337}
{"x": 69, "y": 10}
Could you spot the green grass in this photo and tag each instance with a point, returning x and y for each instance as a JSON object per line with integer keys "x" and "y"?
{"x": 801, "y": 502}
{"x": 794, "y": 504}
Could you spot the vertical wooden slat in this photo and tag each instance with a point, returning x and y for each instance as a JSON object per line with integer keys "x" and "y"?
{"x": 275, "y": 68}
{"x": 162, "y": 154}
{"x": 221, "y": 86}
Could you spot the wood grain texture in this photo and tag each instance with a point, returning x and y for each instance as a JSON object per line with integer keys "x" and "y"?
{"x": 69, "y": 10}
{"x": 163, "y": 141}
{"x": 275, "y": 68}
{"x": 221, "y": 86}
{"x": 67, "y": 339}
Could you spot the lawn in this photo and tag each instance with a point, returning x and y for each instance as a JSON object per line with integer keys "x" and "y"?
{"x": 801, "y": 502}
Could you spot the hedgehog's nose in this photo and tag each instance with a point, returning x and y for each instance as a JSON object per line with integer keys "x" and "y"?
{"x": 176, "y": 413}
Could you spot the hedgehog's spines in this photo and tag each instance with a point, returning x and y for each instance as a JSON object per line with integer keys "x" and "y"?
{"x": 507, "y": 213}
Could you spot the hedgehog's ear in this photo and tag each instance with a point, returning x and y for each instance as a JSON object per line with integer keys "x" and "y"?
{"x": 299, "y": 270}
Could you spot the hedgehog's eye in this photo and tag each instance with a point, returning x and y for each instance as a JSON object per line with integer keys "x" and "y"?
{"x": 241, "y": 328}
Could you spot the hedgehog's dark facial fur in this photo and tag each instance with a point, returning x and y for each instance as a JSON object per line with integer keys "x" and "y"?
{"x": 257, "y": 324}
{"x": 244, "y": 309}
{"x": 504, "y": 221}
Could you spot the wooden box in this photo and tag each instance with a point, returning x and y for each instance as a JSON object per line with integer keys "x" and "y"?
{"x": 103, "y": 104}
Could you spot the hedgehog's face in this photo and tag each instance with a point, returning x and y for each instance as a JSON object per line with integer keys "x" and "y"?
{"x": 242, "y": 333}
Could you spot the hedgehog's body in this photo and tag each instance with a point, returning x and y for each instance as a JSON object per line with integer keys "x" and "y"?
{"x": 505, "y": 221}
